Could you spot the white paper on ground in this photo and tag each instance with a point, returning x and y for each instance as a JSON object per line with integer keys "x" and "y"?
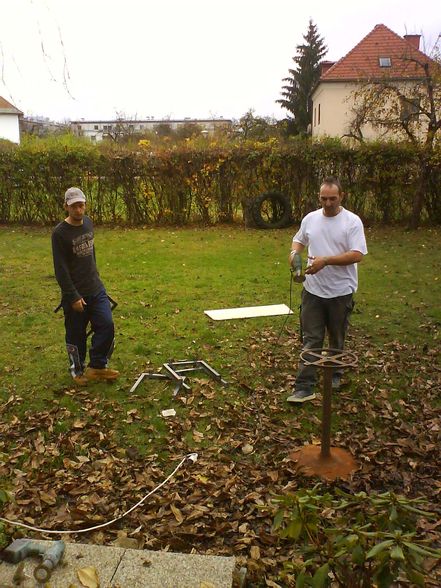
{"x": 168, "y": 412}
{"x": 248, "y": 312}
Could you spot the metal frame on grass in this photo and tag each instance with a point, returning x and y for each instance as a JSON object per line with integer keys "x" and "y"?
{"x": 174, "y": 371}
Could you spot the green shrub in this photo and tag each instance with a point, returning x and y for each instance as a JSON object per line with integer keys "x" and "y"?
{"x": 203, "y": 180}
{"x": 354, "y": 541}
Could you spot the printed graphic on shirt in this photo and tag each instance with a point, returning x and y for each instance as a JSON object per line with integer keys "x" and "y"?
{"x": 82, "y": 246}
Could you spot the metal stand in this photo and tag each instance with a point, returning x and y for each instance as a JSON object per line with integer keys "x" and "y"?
{"x": 174, "y": 371}
{"x": 325, "y": 461}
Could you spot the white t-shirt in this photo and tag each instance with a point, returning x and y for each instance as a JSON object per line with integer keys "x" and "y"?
{"x": 332, "y": 235}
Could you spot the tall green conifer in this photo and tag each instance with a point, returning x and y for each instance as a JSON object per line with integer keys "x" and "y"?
{"x": 296, "y": 93}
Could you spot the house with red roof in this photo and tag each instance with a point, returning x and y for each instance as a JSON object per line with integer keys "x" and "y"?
{"x": 383, "y": 57}
{"x": 9, "y": 121}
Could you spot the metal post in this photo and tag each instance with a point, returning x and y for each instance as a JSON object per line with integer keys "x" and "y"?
{"x": 325, "y": 461}
{"x": 327, "y": 411}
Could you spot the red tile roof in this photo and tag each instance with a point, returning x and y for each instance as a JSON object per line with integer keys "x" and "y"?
{"x": 362, "y": 62}
{"x": 7, "y": 107}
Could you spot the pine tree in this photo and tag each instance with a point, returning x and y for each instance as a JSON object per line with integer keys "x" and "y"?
{"x": 296, "y": 94}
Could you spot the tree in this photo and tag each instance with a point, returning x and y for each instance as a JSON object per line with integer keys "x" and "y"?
{"x": 188, "y": 130}
{"x": 163, "y": 129}
{"x": 408, "y": 110}
{"x": 296, "y": 94}
{"x": 122, "y": 130}
{"x": 259, "y": 128}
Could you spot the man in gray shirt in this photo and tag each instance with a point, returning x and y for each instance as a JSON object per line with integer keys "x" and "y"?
{"x": 84, "y": 298}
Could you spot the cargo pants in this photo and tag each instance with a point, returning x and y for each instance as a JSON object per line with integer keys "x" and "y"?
{"x": 318, "y": 316}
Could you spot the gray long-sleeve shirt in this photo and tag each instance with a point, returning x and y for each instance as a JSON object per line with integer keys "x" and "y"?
{"x": 74, "y": 260}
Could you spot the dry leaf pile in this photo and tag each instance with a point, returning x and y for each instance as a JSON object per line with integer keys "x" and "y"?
{"x": 80, "y": 476}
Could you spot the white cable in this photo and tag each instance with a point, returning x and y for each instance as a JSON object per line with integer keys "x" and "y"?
{"x": 191, "y": 456}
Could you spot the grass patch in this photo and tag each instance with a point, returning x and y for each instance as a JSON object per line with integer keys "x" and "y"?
{"x": 163, "y": 280}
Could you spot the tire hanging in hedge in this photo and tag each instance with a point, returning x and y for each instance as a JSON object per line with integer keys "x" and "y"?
{"x": 271, "y": 210}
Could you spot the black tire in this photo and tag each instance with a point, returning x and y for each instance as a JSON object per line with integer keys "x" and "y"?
{"x": 271, "y": 210}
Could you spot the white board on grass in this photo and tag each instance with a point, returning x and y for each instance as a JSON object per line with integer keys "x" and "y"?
{"x": 225, "y": 314}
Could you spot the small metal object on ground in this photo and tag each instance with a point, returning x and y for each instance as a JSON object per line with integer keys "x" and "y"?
{"x": 177, "y": 372}
{"x": 51, "y": 554}
{"x": 325, "y": 461}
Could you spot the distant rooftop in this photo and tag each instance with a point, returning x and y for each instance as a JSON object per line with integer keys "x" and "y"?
{"x": 8, "y": 108}
{"x": 381, "y": 52}
{"x": 150, "y": 120}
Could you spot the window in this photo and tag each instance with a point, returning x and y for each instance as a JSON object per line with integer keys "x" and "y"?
{"x": 95, "y": 127}
{"x": 315, "y": 112}
{"x": 318, "y": 118}
{"x": 410, "y": 108}
{"x": 384, "y": 61}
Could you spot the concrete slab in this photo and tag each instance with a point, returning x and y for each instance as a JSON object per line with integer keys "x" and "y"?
{"x": 77, "y": 555}
{"x": 128, "y": 568}
{"x": 160, "y": 569}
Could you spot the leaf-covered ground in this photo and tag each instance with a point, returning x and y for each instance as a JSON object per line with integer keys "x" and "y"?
{"x": 71, "y": 471}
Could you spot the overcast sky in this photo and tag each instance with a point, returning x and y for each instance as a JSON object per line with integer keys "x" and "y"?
{"x": 72, "y": 59}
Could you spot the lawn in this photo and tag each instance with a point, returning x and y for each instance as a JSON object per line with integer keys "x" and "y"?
{"x": 76, "y": 456}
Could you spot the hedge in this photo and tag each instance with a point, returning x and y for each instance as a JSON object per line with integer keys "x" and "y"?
{"x": 208, "y": 182}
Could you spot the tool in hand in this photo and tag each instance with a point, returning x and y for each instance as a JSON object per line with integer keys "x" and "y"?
{"x": 20, "y": 549}
{"x": 296, "y": 267}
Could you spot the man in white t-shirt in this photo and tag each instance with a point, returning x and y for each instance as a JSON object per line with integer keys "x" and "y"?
{"x": 335, "y": 240}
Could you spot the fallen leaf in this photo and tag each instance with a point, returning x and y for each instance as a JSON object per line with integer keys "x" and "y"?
{"x": 177, "y": 513}
{"x": 255, "y": 552}
{"x": 78, "y": 424}
{"x": 126, "y": 542}
{"x": 88, "y": 577}
{"x": 19, "y": 574}
{"x": 247, "y": 449}
{"x": 197, "y": 436}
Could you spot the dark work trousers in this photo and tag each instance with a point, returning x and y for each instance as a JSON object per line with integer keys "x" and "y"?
{"x": 317, "y": 316}
{"x": 99, "y": 314}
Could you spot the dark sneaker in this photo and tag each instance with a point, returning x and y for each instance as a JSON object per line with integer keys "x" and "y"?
{"x": 336, "y": 381}
{"x": 301, "y": 396}
{"x": 101, "y": 374}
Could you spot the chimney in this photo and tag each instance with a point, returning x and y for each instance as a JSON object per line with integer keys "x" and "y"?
{"x": 325, "y": 65}
{"x": 414, "y": 40}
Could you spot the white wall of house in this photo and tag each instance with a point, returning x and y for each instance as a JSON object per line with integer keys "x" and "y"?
{"x": 9, "y": 127}
{"x": 332, "y": 112}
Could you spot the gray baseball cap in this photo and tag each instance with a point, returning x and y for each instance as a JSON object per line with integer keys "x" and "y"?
{"x": 73, "y": 195}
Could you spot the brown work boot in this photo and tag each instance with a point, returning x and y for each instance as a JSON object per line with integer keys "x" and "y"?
{"x": 80, "y": 380}
{"x": 101, "y": 374}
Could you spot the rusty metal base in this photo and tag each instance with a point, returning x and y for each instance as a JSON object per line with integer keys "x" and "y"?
{"x": 340, "y": 464}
